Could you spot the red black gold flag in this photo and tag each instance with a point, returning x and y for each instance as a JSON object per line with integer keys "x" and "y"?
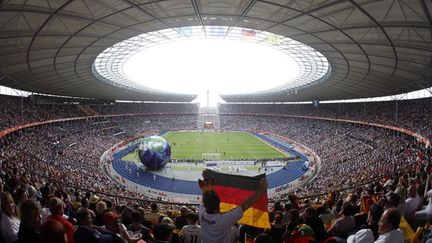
{"x": 234, "y": 189}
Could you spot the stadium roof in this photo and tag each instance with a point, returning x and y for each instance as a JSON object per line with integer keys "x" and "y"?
{"x": 374, "y": 47}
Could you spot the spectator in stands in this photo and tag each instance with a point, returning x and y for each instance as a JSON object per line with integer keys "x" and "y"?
{"x": 53, "y": 232}
{"x": 32, "y": 193}
{"x": 246, "y": 232}
{"x": 143, "y": 220}
{"x": 113, "y": 229}
{"x": 175, "y": 238}
{"x": 31, "y": 222}
{"x": 389, "y": 227}
{"x": 46, "y": 193}
{"x": 374, "y": 215}
{"x": 294, "y": 220}
{"x": 377, "y": 153}
{"x": 391, "y": 200}
{"x": 401, "y": 191}
{"x": 20, "y": 196}
{"x": 85, "y": 233}
{"x": 84, "y": 202}
{"x": 56, "y": 207}
{"x": 278, "y": 228}
{"x": 101, "y": 207}
{"x": 94, "y": 199}
{"x": 412, "y": 204}
{"x": 325, "y": 214}
{"x": 10, "y": 220}
{"x": 389, "y": 186}
{"x": 287, "y": 208}
{"x": 277, "y": 207}
{"x": 192, "y": 231}
{"x": 136, "y": 226}
{"x": 76, "y": 203}
{"x": 163, "y": 233}
{"x": 315, "y": 223}
{"x": 181, "y": 220}
{"x": 153, "y": 216}
{"x": 215, "y": 225}
{"x": 426, "y": 213}
{"x": 67, "y": 204}
{"x": 126, "y": 215}
{"x": 361, "y": 236}
{"x": 343, "y": 226}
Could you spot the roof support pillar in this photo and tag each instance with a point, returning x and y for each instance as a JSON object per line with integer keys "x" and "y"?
{"x": 396, "y": 98}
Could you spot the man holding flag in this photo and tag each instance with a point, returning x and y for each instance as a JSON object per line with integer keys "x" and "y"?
{"x": 228, "y": 199}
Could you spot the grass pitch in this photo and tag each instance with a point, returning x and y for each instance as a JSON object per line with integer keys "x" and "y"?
{"x": 219, "y": 145}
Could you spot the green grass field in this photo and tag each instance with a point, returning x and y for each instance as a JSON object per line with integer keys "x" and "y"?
{"x": 219, "y": 145}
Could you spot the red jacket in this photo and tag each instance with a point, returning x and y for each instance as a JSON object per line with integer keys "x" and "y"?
{"x": 70, "y": 229}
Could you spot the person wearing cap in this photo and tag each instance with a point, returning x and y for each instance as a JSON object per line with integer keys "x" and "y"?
{"x": 112, "y": 228}
{"x": 216, "y": 226}
{"x": 94, "y": 199}
{"x": 389, "y": 227}
{"x": 56, "y": 207}
{"x": 115, "y": 231}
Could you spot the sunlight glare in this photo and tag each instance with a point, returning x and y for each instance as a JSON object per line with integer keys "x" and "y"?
{"x": 217, "y": 66}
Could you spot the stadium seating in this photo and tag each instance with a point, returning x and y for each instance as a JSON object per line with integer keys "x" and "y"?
{"x": 64, "y": 156}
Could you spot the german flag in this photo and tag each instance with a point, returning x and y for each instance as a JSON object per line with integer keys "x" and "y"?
{"x": 234, "y": 189}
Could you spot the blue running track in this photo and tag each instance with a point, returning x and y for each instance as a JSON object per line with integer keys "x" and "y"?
{"x": 131, "y": 172}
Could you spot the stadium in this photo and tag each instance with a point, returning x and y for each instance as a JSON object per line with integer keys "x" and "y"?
{"x": 342, "y": 136}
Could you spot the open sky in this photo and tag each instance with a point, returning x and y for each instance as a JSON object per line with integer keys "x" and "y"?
{"x": 218, "y": 66}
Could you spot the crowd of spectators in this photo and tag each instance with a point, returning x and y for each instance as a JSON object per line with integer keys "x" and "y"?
{"x": 375, "y": 180}
{"x": 124, "y": 108}
{"x": 15, "y": 110}
{"x": 69, "y": 152}
{"x": 415, "y": 115}
{"x": 350, "y": 154}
